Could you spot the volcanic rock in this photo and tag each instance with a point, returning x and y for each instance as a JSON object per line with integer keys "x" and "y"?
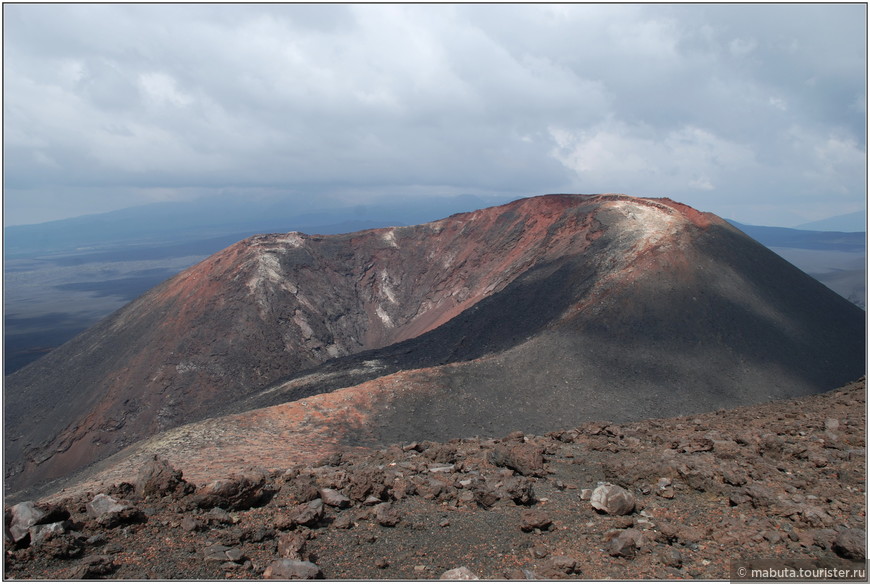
{"x": 334, "y": 498}
{"x": 308, "y": 514}
{"x": 157, "y": 478}
{"x": 40, "y": 532}
{"x": 517, "y": 489}
{"x": 851, "y": 544}
{"x": 532, "y": 519}
{"x": 93, "y": 567}
{"x": 627, "y": 543}
{"x": 24, "y": 515}
{"x": 526, "y": 459}
{"x": 387, "y": 515}
{"x": 291, "y": 545}
{"x": 612, "y": 499}
{"x": 292, "y": 570}
{"x": 461, "y": 573}
{"x": 557, "y": 567}
{"x": 238, "y": 492}
{"x": 102, "y": 505}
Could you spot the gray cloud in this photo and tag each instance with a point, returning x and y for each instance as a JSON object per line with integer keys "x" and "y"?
{"x": 753, "y": 112}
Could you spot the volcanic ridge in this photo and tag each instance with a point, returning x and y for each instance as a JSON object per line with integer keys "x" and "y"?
{"x": 541, "y": 315}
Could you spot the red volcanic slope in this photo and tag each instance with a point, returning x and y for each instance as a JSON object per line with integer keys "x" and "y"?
{"x": 602, "y": 293}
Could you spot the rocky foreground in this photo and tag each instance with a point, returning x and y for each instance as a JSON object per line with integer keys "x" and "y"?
{"x": 664, "y": 499}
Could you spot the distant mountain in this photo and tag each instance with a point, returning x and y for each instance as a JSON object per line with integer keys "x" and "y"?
{"x": 538, "y": 314}
{"x": 220, "y": 218}
{"x": 805, "y": 239}
{"x": 856, "y": 221}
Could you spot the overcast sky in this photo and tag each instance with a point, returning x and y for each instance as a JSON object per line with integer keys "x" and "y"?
{"x": 756, "y": 113}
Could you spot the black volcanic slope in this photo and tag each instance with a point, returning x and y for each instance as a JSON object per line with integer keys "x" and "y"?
{"x": 536, "y": 315}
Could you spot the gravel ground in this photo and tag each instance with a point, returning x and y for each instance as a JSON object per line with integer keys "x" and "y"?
{"x": 781, "y": 480}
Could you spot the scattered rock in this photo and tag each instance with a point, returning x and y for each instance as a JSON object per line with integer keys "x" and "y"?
{"x": 613, "y": 500}
{"x": 24, "y": 516}
{"x": 40, "y": 532}
{"x": 216, "y": 553}
{"x": 291, "y": 546}
{"x": 308, "y": 514}
{"x": 190, "y": 524}
{"x": 557, "y": 567}
{"x": 236, "y": 493}
{"x": 518, "y": 489}
{"x": 103, "y": 504}
{"x": 626, "y": 544}
{"x": 218, "y": 516}
{"x": 461, "y": 573}
{"x": 525, "y": 459}
{"x": 815, "y": 516}
{"x": 292, "y": 570}
{"x": 157, "y": 478}
{"x": 851, "y": 544}
{"x": 671, "y": 557}
{"x": 235, "y": 555}
{"x": 334, "y": 498}
{"x": 485, "y": 494}
{"x": 300, "y": 490}
{"x": 93, "y": 567}
{"x": 532, "y": 519}
{"x": 386, "y": 515}
{"x": 109, "y": 513}
{"x": 368, "y": 482}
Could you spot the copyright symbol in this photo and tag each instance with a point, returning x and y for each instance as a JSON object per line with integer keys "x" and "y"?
{"x": 741, "y": 572}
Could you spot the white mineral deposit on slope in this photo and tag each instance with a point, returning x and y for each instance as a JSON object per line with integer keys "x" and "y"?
{"x": 292, "y": 239}
{"x": 389, "y": 237}
{"x": 651, "y": 223}
{"x": 385, "y": 286}
{"x": 385, "y": 318}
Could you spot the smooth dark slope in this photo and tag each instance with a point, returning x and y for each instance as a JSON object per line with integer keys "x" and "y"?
{"x": 533, "y": 315}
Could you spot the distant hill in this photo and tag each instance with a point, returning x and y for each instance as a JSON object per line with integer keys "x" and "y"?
{"x": 222, "y": 221}
{"x": 856, "y": 221}
{"x": 804, "y": 239}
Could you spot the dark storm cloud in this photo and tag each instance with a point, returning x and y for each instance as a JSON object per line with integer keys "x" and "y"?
{"x": 755, "y": 112}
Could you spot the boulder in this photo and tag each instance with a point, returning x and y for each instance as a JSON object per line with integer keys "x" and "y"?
{"x": 109, "y": 513}
{"x": 292, "y": 570}
{"x": 24, "y": 516}
{"x": 157, "y": 478}
{"x": 291, "y": 545}
{"x": 367, "y": 482}
{"x": 518, "y": 489}
{"x": 461, "y": 573}
{"x": 626, "y": 544}
{"x": 38, "y": 533}
{"x": 308, "y": 514}
{"x": 236, "y": 493}
{"x": 93, "y": 567}
{"x": 300, "y": 490}
{"x": 334, "y": 498}
{"x": 557, "y": 567}
{"x": 386, "y": 515}
{"x": 532, "y": 519}
{"x": 612, "y": 499}
{"x": 103, "y": 504}
{"x": 671, "y": 557}
{"x": 525, "y": 459}
{"x": 851, "y": 544}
